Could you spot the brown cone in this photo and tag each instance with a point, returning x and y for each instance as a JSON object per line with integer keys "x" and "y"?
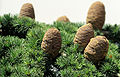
{"x": 52, "y": 42}
{"x": 96, "y": 15}
{"x": 83, "y": 35}
{"x": 27, "y": 10}
{"x": 63, "y": 19}
{"x": 97, "y": 49}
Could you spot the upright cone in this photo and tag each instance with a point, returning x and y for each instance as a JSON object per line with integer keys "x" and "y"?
{"x": 96, "y": 15}
{"x": 63, "y": 19}
{"x": 27, "y": 10}
{"x": 83, "y": 35}
{"x": 51, "y": 43}
{"x": 97, "y": 49}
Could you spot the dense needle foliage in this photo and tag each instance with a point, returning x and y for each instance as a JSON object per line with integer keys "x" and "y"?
{"x": 21, "y": 54}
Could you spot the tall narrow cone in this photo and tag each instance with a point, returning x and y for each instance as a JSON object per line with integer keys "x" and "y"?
{"x": 96, "y": 15}
{"x": 51, "y": 43}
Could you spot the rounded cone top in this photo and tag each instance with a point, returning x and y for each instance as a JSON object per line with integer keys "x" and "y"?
{"x": 97, "y": 49}
{"x": 63, "y": 19}
{"x": 27, "y": 10}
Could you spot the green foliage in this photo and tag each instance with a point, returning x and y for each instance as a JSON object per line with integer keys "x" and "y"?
{"x": 68, "y": 31}
{"x": 25, "y": 58}
{"x": 6, "y": 23}
{"x": 17, "y": 59}
{"x": 15, "y": 26}
{"x": 69, "y": 27}
{"x": 8, "y": 42}
{"x": 113, "y": 32}
{"x": 74, "y": 64}
{"x": 35, "y": 35}
{"x": 98, "y": 32}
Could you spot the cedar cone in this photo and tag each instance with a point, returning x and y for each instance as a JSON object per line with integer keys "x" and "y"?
{"x": 63, "y": 19}
{"x": 51, "y": 43}
{"x": 27, "y": 10}
{"x": 96, "y": 15}
{"x": 83, "y": 35}
{"x": 96, "y": 49}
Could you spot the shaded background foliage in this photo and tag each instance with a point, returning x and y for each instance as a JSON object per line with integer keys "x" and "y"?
{"x": 21, "y": 54}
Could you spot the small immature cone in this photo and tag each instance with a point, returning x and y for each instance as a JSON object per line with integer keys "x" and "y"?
{"x": 96, "y": 49}
{"x": 96, "y": 15}
{"x": 27, "y": 10}
{"x": 83, "y": 35}
{"x": 51, "y": 43}
{"x": 63, "y": 19}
